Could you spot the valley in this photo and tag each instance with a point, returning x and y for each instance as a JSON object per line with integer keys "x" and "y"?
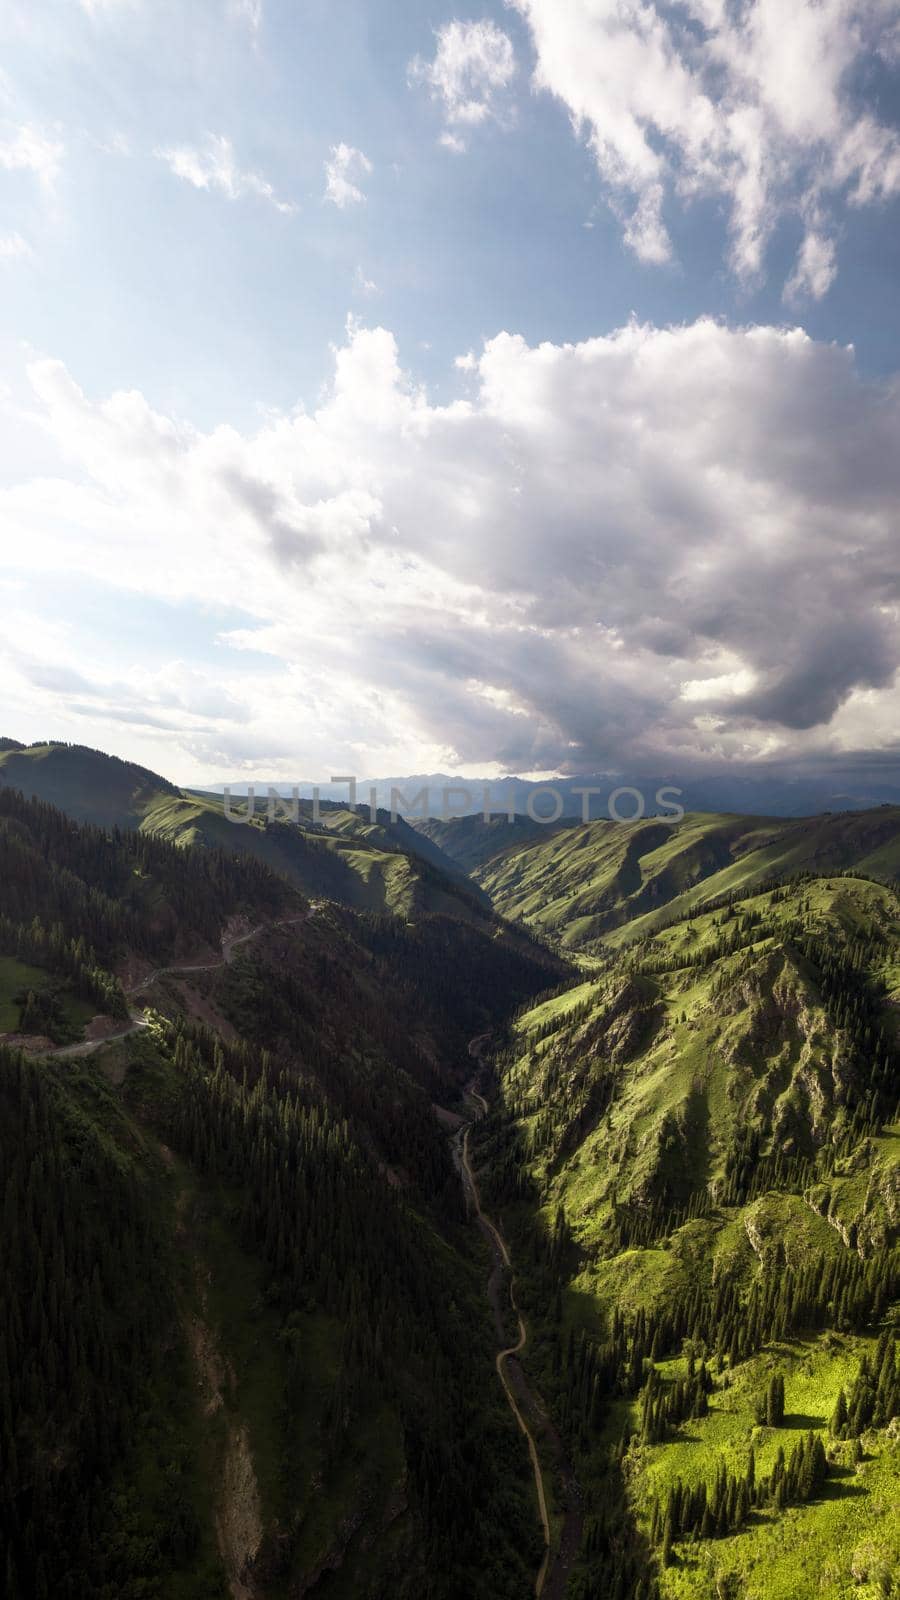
{"x": 502, "y": 1268}
{"x": 619, "y": 1320}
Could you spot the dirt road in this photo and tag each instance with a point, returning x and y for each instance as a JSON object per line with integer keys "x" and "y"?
{"x": 87, "y": 1047}
{"x": 523, "y": 1399}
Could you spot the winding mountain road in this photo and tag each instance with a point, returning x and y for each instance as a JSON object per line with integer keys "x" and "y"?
{"x": 496, "y": 1243}
{"x": 88, "y": 1047}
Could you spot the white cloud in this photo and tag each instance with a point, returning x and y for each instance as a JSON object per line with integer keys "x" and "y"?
{"x": 750, "y": 102}
{"x": 27, "y": 149}
{"x": 722, "y": 685}
{"x": 815, "y": 269}
{"x": 213, "y": 167}
{"x": 13, "y": 247}
{"x": 472, "y": 69}
{"x": 665, "y": 545}
{"x": 364, "y": 285}
{"x": 345, "y": 169}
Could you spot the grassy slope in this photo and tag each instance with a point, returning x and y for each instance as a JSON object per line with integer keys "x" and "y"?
{"x": 815, "y": 1549}
{"x": 377, "y": 867}
{"x": 766, "y": 1056}
{"x": 472, "y": 842}
{"x": 616, "y": 881}
{"x": 700, "y": 1054}
{"x": 18, "y": 977}
{"x": 335, "y": 866}
{"x": 14, "y": 977}
{"x": 87, "y": 785}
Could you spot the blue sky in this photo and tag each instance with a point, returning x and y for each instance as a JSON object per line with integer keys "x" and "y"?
{"x": 248, "y": 532}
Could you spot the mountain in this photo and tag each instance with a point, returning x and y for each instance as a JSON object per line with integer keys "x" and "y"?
{"x": 241, "y": 1303}
{"x": 356, "y": 1243}
{"x": 88, "y": 785}
{"x": 610, "y": 883}
{"x": 696, "y": 1157}
{"x": 380, "y": 865}
{"x": 471, "y": 842}
{"x": 848, "y": 783}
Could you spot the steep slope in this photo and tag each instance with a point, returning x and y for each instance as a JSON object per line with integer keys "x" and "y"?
{"x": 698, "y": 1153}
{"x": 612, "y": 882}
{"x": 245, "y": 1364}
{"x": 692, "y": 1155}
{"x": 384, "y": 833}
{"x": 88, "y": 785}
{"x": 472, "y": 842}
{"x": 342, "y": 858}
{"x": 85, "y": 911}
{"x": 373, "y": 866}
{"x": 81, "y": 905}
{"x": 282, "y": 1381}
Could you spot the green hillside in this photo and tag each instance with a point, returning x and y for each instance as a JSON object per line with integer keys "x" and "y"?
{"x": 611, "y": 882}
{"x": 88, "y": 785}
{"x": 251, "y": 1336}
{"x": 85, "y": 910}
{"x": 208, "y": 1405}
{"x": 256, "y": 1351}
{"x": 472, "y": 842}
{"x": 698, "y": 1155}
{"x": 383, "y": 866}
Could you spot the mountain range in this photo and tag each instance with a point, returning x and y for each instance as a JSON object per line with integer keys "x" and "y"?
{"x": 478, "y": 1209}
{"x": 765, "y": 789}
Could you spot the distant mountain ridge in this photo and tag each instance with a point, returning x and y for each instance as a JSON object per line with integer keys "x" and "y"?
{"x": 565, "y": 880}
{"x": 747, "y": 791}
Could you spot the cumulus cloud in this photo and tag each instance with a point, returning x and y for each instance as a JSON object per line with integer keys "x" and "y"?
{"x": 345, "y": 170}
{"x": 473, "y": 66}
{"x": 660, "y": 547}
{"x": 212, "y": 166}
{"x": 26, "y": 149}
{"x": 752, "y": 102}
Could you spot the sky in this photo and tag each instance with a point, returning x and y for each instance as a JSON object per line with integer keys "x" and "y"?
{"x": 507, "y": 387}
